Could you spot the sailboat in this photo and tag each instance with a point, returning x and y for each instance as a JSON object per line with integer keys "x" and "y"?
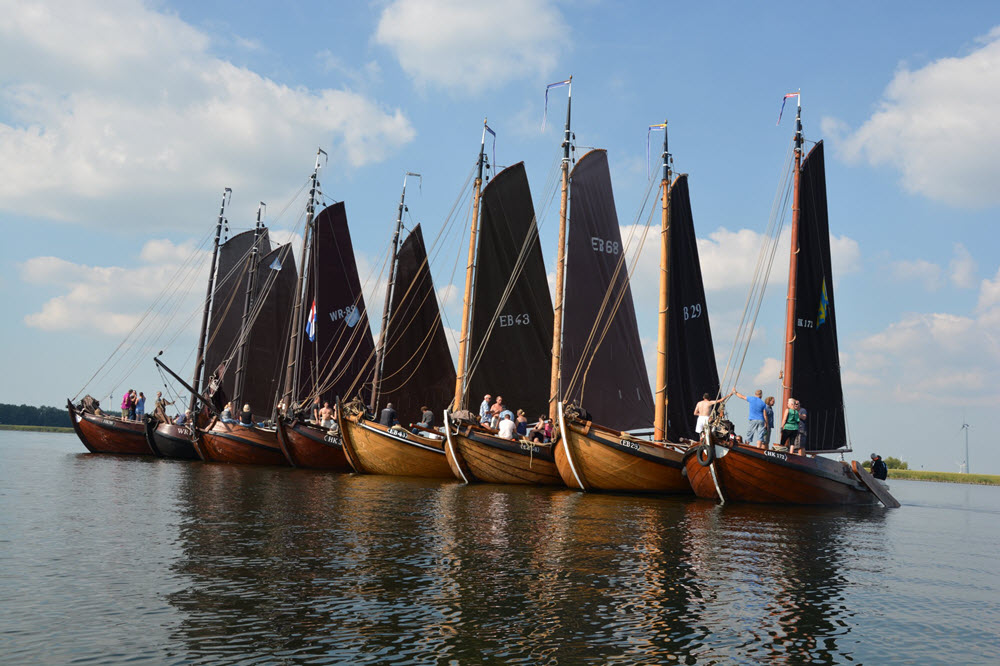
{"x": 168, "y": 439}
{"x": 595, "y": 452}
{"x": 338, "y": 345}
{"x": 110, "y": 434}
{"x": 259, "y": 357}
{"x": 507, "y": 324}
{"x": 105, "y": 433}
{"x": 413, "y": 366}
{"x": 741, "y": 473}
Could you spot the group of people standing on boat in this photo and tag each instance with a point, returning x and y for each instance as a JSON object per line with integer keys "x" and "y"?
{"x": 133, "y": 405}
{"x": 761, "y": 420}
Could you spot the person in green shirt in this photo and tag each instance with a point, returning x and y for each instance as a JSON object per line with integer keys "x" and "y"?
{"x": 790, "y": 425}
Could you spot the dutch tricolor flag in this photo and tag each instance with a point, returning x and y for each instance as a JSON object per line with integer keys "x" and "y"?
{"x": 311, "y": 323}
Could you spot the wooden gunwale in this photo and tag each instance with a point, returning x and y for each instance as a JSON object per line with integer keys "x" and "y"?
{"x": 229, "y": 447}
{"x": 595, "y": 458}
{"x": 490, "y": 459}
{"x": 754, "y": 475}
{"x": 372, "y": 449}
{"x": 125, "y": 437}
{"x": 166, "y": 442}
{"x": 303, "y": 445}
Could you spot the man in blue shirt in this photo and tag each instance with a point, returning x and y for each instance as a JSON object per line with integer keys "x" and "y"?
{"x": 484, "y": 410}
{"x": 758, "y": 418}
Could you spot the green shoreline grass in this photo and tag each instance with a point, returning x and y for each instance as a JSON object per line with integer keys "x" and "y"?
{"x": 944, "y": 477}
{"x": 35, "y": 428}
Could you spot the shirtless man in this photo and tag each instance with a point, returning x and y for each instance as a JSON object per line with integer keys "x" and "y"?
{"x": 703, "y": 410}
{"x": 326, "y": 416}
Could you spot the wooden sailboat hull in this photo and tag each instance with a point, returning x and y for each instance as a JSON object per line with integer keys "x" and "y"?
{"x": 590, "y": 457}
{"x": 108, "y": 434}
{"x": 310, "y": 446}
{"x": 477, "y": 456}
{"x": 168, "y": 440}
{"x": 372, "y": 449}
{"x": 747, "y": 474}
{"x": 234, "y": 443}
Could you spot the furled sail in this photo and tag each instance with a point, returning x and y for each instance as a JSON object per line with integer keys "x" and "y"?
{"x": 232, "y": 274}
{"x": 510, "y": 346}
{"x": 334, "y": 313}
{"x": 267, "y": 346}
{"x": 691, "y": 365}
{"x": 816, "y": 380}
{"x": 417, "y": 368}
{"x": 602, "y": 363}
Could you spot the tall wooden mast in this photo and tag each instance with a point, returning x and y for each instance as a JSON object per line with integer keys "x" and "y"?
{"x": 793, "y": 263}
{"x": 463, "y": 341}
{"x": 247, "y": 308}
{"x": 662, "y": 329}
{"x": 289, "y": 395}
{"x": 203, "y": 334}
{"x": 560, "y": 266}
{"x": 380, "y": 348}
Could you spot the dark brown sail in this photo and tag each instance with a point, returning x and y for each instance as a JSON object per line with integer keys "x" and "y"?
{"x": 341, "y": 347}
{"x": 691, "y": 365}
{"x": 603, "y": 368}
{"x": 417, "y": 369}
{"x": 267, "y": 344}
{"x": 816, "y": 380}
{"x": 511, "y": 345}
{"x": 227, "y": 303}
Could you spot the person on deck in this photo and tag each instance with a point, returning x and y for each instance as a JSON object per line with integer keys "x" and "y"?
{"x": 506, "y": 427}
{"x": 537, "y": 433}
{"x": 125, "y": 403}
{"x": 495, "y": 410}
{"x": 703, "y": 410}
{"x": 521, "y": 423}
{"x": 324, "y": 416}
{"x": 227, "y": 414}
{"x": 388, "y": 417}
{"x": 879, "y": 469}
{"x": 790, "y": 425}
{"x": 757, "y": 417}
{"x": 133, "y": 398}
{"x": 140, "y": 406}
{"x": 484, "y": 410}
{"x": 800, "y": 441}
{"x": 769, "y": 413}
{"x": 316, "y": 417}
{"x": 160, "y": 407}
{"x": 182, "y": 419}
{"x": 426, "y": 421}
{"x": 246, "y": 416}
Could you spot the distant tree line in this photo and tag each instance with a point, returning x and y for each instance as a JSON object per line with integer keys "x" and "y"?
{"x": 33, "y": 416}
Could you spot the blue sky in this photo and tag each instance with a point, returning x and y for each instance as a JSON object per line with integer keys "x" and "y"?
{"x": 121, "y": 122}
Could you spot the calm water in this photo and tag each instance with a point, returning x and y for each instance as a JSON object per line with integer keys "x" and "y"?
{"x": 110, "y": 559}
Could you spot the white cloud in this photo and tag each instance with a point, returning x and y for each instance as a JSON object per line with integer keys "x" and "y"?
{"x": 962, "y": 269}
{"x": 925, "y": 272}
{"x": 729, "y": 258}
{"x": 112, "y": 299}
{"x": 113, "y": 107}
{"x": 936, "y": 126}
{"x": 441, "y": 43}
{"x": 769, "y": 372}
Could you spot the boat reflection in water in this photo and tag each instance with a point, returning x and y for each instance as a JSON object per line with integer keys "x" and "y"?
{"x": 777, "y": 589}
{"x": 304, "y": 565}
